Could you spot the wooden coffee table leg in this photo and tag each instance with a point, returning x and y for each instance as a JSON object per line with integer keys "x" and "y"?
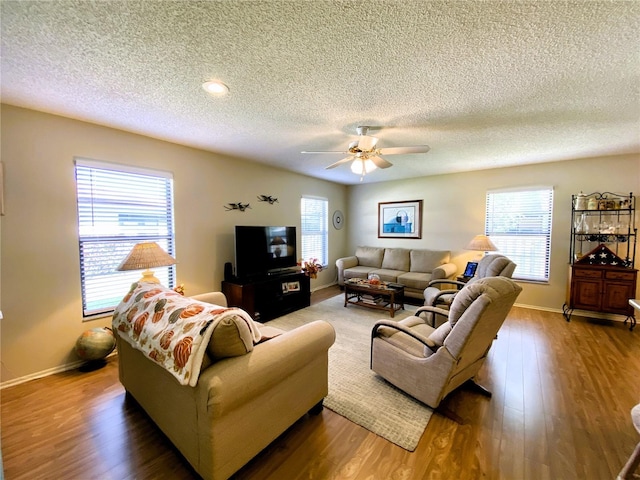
{"x": 392, "y": 303}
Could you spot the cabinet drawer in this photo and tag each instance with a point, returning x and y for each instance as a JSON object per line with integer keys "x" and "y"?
{"x": 620, "y": 275}
{"x": 583, "y": 273}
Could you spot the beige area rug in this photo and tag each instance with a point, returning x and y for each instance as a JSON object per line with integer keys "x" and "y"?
{"x": 355, "y": 391}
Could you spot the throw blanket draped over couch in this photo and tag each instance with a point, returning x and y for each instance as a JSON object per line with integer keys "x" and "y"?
{"x": 219, "y": 385}
{"x": 413, "y": 268}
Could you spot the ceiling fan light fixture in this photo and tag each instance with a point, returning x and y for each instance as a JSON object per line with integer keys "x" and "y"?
{"x": 367, "y": 143}
{"x": 215, "y": 88}
{"x": 362, "y": 166}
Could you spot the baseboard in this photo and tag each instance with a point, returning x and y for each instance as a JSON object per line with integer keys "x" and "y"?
{"x": 324, "y": 286}
{"x": 45, "y": 373}
{"x": 579, "y": 313}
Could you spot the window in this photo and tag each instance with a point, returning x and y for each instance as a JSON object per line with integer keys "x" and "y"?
{"x": 519, "y": 224}
{"x": 119, "y": 206}
{"x": 315, "y": 221}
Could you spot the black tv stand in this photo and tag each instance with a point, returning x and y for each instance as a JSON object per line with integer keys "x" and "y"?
{"x": 271, "y": 296}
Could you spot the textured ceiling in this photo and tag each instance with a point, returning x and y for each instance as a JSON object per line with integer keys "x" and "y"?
{"x": 484, "y": 83}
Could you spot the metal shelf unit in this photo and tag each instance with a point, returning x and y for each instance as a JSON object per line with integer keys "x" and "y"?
{"x": 610, "y": 222}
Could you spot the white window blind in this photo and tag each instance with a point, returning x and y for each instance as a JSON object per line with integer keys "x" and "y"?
{"x": 315, "y": 221}
{"x": 519, "y": 224}
{"x": 119, "y": 206}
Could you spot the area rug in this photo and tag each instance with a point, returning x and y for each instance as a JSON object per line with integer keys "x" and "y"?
{"x": 355, "y": 391}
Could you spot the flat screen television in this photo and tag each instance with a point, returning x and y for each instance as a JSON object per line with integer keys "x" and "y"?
{"x": 264, "y": 250}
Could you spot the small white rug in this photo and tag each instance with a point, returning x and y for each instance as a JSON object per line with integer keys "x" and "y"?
{"x": 355, "y": 391}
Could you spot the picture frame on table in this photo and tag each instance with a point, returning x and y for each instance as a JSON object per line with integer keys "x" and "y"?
{"x": 400, "y": 219}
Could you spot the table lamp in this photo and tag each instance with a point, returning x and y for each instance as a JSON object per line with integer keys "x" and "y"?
{"x": 481, "y": 243}
{"x": 276, "y": 246}
{"x": 146, "y": 255}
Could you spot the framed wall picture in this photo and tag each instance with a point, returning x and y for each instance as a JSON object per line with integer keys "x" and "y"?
{"x": 293, "y": 286}
{"x": 400, "y": 219}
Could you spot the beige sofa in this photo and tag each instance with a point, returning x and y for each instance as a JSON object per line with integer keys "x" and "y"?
{"x": 413, "y": 268}
{"x": 246, "y": 395}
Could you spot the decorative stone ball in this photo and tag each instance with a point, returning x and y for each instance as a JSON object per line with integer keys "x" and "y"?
{"x": 95, "y": 344}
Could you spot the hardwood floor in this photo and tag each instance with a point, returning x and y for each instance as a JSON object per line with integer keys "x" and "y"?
{"x": 562, "y": 393}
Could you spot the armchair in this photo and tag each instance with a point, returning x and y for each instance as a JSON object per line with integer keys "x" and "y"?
{"x": 428, "y": 363}
{"x": 489, "y": 266}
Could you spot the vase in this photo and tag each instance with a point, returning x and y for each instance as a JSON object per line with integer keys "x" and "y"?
{"x": 581, "y": 202}
{"x": 581, "y": 225}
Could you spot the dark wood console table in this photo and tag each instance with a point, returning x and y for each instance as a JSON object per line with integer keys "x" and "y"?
{"x": 269, "y": 297}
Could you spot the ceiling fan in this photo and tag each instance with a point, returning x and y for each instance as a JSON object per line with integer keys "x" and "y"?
{"x": 366, "y": 156}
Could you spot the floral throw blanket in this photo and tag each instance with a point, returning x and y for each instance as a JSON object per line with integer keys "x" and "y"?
{"x": 171, "y": 330}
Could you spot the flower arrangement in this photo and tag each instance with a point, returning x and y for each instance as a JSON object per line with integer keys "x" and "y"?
{"x": 310, "y": 267}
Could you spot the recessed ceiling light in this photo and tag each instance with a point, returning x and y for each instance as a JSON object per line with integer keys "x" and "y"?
{"x": 215, "y": 87}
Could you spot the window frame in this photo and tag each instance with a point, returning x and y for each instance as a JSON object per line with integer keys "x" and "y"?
{"x": 118, "y": 206}
{"x": 531, "y": 228}
{"x": 321, "y": 251}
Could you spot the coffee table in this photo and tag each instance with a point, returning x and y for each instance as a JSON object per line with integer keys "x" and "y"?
{"x": 386, "y": 296}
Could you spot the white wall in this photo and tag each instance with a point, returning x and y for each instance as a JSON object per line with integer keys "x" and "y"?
{"x": 40, "y": 263}
{"x": 454, "y": 210}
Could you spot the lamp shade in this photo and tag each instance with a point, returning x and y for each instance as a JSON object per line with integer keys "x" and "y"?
{"x": 278, "y": 241}
{"x": 144, "y": 256}
{"x": 481, "y": 243}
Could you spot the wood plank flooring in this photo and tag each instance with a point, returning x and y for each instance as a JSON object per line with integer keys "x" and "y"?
{"x": 562, "y": 393}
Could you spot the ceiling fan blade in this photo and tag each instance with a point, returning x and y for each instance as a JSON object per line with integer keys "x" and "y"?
{"x": 340, "y": 162}
{"x": 326, "y": 151}
{"x": 380, "y": 162}
{"x": 404, "y": 150}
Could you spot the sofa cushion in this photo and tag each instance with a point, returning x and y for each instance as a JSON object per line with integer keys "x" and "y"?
{"x": 405, "y": 342}
{"x": 387, "y": 275}
{"x": 414, "y": 280}
{"x": 396, "y": 259}
{"x": 370, "y": 256}
{"x": 426, "y": 260}
{"x": 358, "y": 272}
{"x": 268, "y": 332}
{"x": 231, "y": 337}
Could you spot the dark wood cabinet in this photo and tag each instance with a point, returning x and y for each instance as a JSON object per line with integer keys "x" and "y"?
{"x": 602, "y": 289}
{"x": 269, "y": 297}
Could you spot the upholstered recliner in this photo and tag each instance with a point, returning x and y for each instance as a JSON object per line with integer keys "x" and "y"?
{"x": 429, "y": 363}
{"x": 489, "y": 266}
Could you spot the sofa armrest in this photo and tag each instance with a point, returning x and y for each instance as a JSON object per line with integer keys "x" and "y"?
{"x": 446, "y": 270}
{"x": 342, "y": 264}
{"x": 215, "y": 298}
{"x": 232, "y": 382}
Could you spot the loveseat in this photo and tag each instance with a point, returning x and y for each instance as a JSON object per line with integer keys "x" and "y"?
{"x": 413, "y": 268}
{"x": 251, "y": 383}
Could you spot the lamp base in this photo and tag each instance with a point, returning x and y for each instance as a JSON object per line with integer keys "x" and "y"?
{"x": 149, "y": 277}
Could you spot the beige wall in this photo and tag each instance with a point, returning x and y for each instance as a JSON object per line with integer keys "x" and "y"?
{"x": 454, "y": 210}
{"x": 40, "y": 267}
{"x": 39, "y": 256}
